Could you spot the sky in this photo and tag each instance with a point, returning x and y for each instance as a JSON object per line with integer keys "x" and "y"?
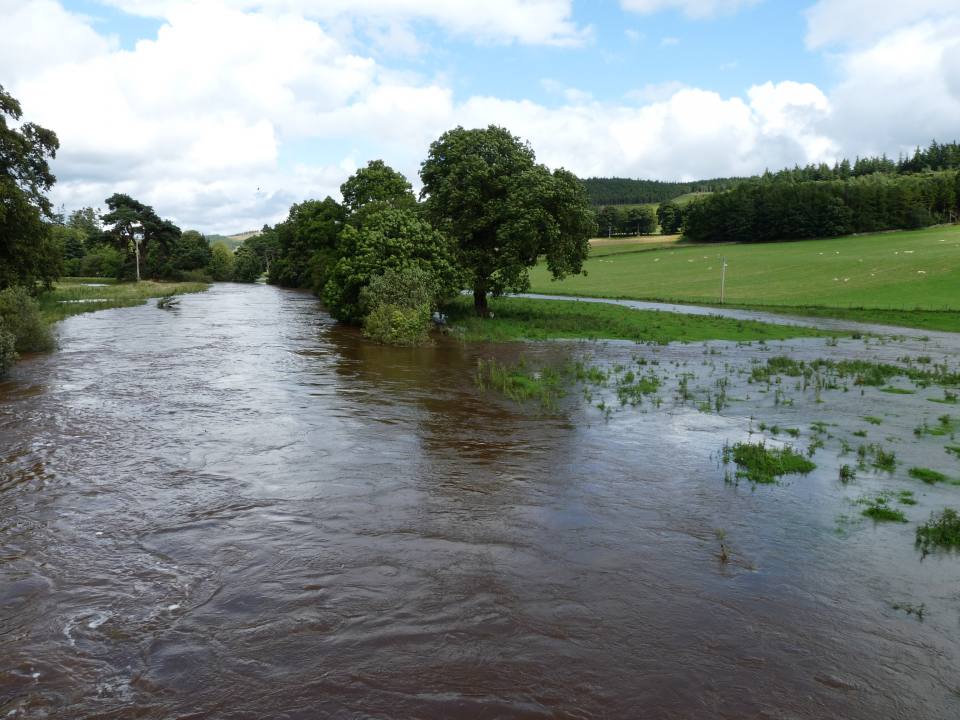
{"x": 222, "y": 113}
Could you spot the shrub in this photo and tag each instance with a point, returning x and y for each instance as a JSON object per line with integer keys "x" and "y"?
{"x": 397, "y": 325}
{"x": 8, "y": 352}
{"x": 20, "y": 315}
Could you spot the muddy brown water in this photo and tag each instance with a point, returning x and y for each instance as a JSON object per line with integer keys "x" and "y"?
{"x": 241, "y": 510}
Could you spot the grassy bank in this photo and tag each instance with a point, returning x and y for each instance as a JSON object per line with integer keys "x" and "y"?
{"x": 73, "y": 296}
{"x": 526, "y": 319}
{"x": 853, "y": 277}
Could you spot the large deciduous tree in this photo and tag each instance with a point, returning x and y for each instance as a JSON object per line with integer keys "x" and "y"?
{"x": 28, "y": 253}
{"x": 485, "y": 191}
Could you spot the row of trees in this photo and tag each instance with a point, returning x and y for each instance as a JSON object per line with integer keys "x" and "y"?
{"x": 780, "y": 208}
{"x": 488, "y": 211}
{"x": 632, "y": 220}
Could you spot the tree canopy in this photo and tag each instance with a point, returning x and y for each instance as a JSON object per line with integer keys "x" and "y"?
{"x": 502, "y": 210}
{"x": 29, "y": 255}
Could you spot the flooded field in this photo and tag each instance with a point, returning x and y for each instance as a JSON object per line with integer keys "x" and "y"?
{"x": 239, "y": 509}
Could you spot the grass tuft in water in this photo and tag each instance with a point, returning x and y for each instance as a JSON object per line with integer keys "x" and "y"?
{"x": 941, "y": 530}
{"x": 878, "y": 509}
{"x": 521, "y": 383}
{"x": 930, "y": 477}
{"x": 763, "y": 465}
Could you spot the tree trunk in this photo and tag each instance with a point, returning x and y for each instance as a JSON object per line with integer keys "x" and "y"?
{"x": 480, "y": 302}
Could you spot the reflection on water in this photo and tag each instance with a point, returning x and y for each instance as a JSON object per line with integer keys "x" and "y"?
{"x": 243, "y": 510}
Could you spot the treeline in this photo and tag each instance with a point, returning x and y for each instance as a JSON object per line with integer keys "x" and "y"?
{"x": 625, "y": 191}
{"x": 937, "y": 156}
{"x": 780, "y": 207}
{"x": 88, "y": 244}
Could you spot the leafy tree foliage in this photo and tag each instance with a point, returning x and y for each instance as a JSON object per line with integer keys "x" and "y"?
{"x": 670, "y": 217}
{"x": 221, "y": 263}
{"x": 390, "y": 238}
{"x": 396, "y": 306}
{"x": 502, "y": 210}
{"x": 160, "y": 237}
{"x": 304, "y": 243}
{"x": 29, "y": 255}
{"x": 376, "y": 183}
{"x": 254, "y": 257}
{"x": 20, "y": 316}
{"x": 8, "y": 349}
{"x": 190, "y": 252}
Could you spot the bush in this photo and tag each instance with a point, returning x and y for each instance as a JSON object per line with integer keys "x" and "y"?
{"x": 396, "y": 325}
{"x": 8, "y": 352}
{"x": 20, "y": 315}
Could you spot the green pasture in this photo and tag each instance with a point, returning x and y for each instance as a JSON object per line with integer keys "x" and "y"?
{"x": 911, "y": 270}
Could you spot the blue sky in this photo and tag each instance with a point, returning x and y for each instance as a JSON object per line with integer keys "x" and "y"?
{"x": 198, "y": 104}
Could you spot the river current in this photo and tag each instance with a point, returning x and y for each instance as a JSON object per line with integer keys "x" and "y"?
{"x": 239, "y": 509}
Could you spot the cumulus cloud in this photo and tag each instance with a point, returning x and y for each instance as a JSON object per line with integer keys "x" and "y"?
{"x": 224, "y": 130}
{"x": 698, "y": 9}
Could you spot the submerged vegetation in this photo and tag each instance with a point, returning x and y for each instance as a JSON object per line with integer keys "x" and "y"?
{"x": 761, "y": 464}
{"x": 941, "y": 530}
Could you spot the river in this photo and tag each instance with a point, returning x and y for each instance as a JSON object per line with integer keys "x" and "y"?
{"x": 239, "y": 509}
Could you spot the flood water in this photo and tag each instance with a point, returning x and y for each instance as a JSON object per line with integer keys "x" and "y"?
{"x": 239, "y": 509}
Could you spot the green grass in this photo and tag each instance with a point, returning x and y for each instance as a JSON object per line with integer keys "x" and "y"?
{"x": 930, "y": 477}
{"x": 764, "y": 465}
{"x": 70, "y": 296}
{"x": 941, "y": 530}
{"x": 881, "y": 277}
{"x": 528, "y": 319}
{"x": 878, "y": 507}
{"x": 521, "y": 383}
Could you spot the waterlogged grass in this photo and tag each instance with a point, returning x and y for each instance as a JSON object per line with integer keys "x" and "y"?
{"x": 941, "y": 530}
{"x": 761, "y": 464}
{"x": 547, "y": 385}
{"x": 830, "y": 374}
{"x": 522, "y": 383}
{"x": 73, "y": 296}
{"x": 517, "y": 319}
{"x": 930, "y": 477}
{"x": 883, "y": 277}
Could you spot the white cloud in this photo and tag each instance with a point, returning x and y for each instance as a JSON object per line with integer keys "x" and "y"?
{"x": 691, "y": 134}
{"x": 847, "y": 22}
{"x": 669, "y": 41}
{"x": 900, "y": 91}
{"x": 194, "y": 121}
{"x": 546, "y": 22}
{"x": 41, "y": 34}
{"x": 698, "y": 9}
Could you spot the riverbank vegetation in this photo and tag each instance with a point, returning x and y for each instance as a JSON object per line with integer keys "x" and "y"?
{"x": 513, "y": 319}
{"x": 74, "y": 296}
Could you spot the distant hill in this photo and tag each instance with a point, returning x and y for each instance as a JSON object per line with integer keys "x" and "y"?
{"x": 627, "y": 191}
{"x": 232, "y": 241}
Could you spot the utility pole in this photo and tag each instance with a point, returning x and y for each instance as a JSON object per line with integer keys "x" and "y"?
{"x": 137, "y": 231}
{"x": 723, "y": 277}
